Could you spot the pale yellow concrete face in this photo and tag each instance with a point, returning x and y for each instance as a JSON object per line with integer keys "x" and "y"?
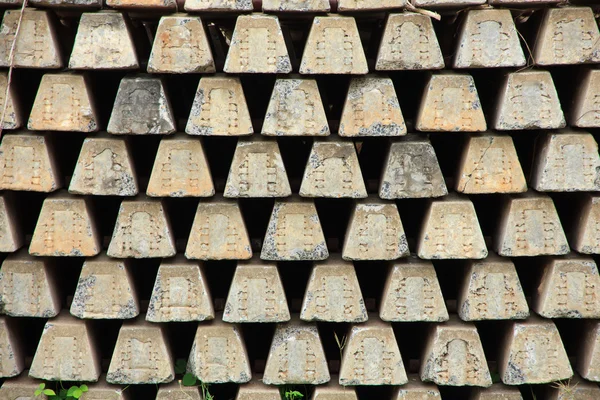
{"x": 37, "y": 44}
{"x": 65, "y": 227}
{"x": 372, "y": 109}
{"x": 63, "y": 103}
{"x": 11, "y": 235}
{"x": 490, "y": 164}
{"x": 567, "y": 36}
{"x": 159, "y": 4}
{"x": 415, "y": 389}
{"x": 256, "y": 295}
{"x": 497, "y": 391}
{"x": 181, "y": 46}
{"x": 412, "y": 293}
{"x": 104, "y": 168}
{"x": 533, "y": 353}
{"x": 296, "y": 5}
{"x": 66, "y": 352}
{"x": 105, "y": 290}
{"x": 13, "y": 360}
{"x": 371, "y": 356}
{"x": 103, "y": 41}
{"x": 296, "y": 356}
{"x": 176, "y": 391}
{"x": 180, "y": 293}
{"x": 366, "y": 5}
{"x": 28, "y": 287}
{"x": 13, "y": 116}
{"x": 454, "y": 356}
{"x": 219, "y": 354}
{"x": 332, "y": 390}
{"x": 528, "y": 100}
{"x": 446, "y": 3}
{"x": 218, "y": 5}
{"x": 21, "y": 388}
{"x": 450, "y": 104}
{"x": 333, "y": 294}
{"x": 588, "y": 356}
{"x": 104, "y": 391}
{"x": 219, "y": 109}
{"x": 257, "y": 46}
{"x": 585, "y": 236}
{"x": 488, "y": 39}
{"x": 586, "y": 108}
{"x": 295, "y": 109}
{"x": 218, "y": 233}
{"x": 257, "y": 390}
{"x": 141, "y": 356}
{"x": 333, "y": 47}
{"x": 409, "y": 43}
{"x": 141, "y": 108}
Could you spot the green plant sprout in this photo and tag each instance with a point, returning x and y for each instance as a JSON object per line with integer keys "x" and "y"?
{"x": 73, "y": 392}
{"x": 341, "y": 343}
{"x": 293, "y": 395}
{"x": 190, "y": 379}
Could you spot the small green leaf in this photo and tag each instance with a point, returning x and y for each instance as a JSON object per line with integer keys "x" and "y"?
{"x": 180, "y": 366}
{"x": 42, "y": 386}
{"x": 71, "y": 390}
{"x": 62, "y": 394}
{"x": 77, "y": 393}
{"x": 37, "y": 392}
{"x": 189, "y": 380}
{"x": 49, "y": 392}
{"x": 83, "y": 388}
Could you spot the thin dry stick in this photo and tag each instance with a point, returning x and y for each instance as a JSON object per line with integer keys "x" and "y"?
{"x": 11, "y": 60}
{"x": 431, "y": 14}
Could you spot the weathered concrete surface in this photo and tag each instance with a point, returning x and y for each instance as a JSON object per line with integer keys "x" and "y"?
{"x": 66, "y": 352}
{"x": 585, "y": 112}
{"x": 585, "y": 234}
{"x": 141, "y": 108}
{"x": 36, "y": 46}
{"x": 588, "y": 356}
{"x": 218, "y": 232}
{"x": 411, "y": 170}
{"x": 491, "y": 290}
{"x": 573, "y": 389}
{"x": 497, "y": 391}
{"x": 219, "y": 354}
{"x": 529, "y": 226}
{"x": 294, "y": 232}
{"x": 415, "y": 389}
{"x": 219, "y": 108}
{"x": 28, "y": 287}
{"x": 412, "y": 293}
{"x": 333, "y": 294}
{"x": 180, "y": 169}
{"x": 257, "y": 46}
{"x": 105, "y": 290}
{"x": 180, "y": 293}
{"x": 409, "y": 42}
{"x": 372, "y": 109}
{"x": 569, "y": 288}
{"x": 257, "y": 390}
{"x": 446, "y": 3}
{"x": 63, "y": 3}
{"x": 11, "y": 234}
{"x": 176, "y": 391}
{"x": 66, "y": 227}
{"x": 21, "y": 388}
{"x": 450, "y": 230}
{"x": 142, "y": 355}
{"x": 375, "y": 232}
{"x": 13, "y": 359}
{"x": 366, "y": 5}
{"x": 490, "y": 164}
{"x": 142, "y": 230}
{"x": 528, "y": 100}
{"x": 522, "y": 2}
{"x": 13, "y": 117}
{"x": 296, "y": 5}
{"x": 256, "y": 295}
{"x": 296, "y": 356}
{"x": 454, "y": 356}
{"x": 450, "y": 103}
{"x": 218, "y": 5}
{"x": 63, "y": 103}
{"x": 488, "y": 39}
{"x": 371, "y": 356}
{"x": 181, "y": 46}
{"x": 533, "y": 353}
{"x": 103, "y": 41}
{"x": 104, "y": 168}
{"x": 27, "y": 163}
{"x": 105, "y": 391}
{"x": 332, "y": 170}
{"x": 257, "y": 170}
{"x": 566, "y": 162}
{"x": 158, "y": 4}
{"x": 295, "y": 109}
{"x": 567, "y": 36}
{"x": 333, "y": 47}
{"x": 333, "y": 391}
